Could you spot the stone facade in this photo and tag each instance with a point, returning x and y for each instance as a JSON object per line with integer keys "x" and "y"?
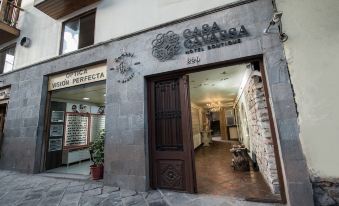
{"x": 326, "y": 191}
{"x": 126, "y": 145}
{"x": 260, "y": 131}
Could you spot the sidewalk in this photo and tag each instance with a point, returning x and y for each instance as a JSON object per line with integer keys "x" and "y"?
{"x": 36, "y": 190}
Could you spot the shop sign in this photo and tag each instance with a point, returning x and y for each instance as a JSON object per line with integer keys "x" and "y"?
{"x": 124, "y": 66}
{"x": 199, "y": 39}
{"x": 5, "y": 93}
{"x": 77, "y": 77}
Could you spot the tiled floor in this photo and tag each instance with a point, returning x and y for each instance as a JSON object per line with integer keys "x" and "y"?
{"x": 216, "y": 176}
{"x": 81, "y": 168}
{"x": 35, "y": 190}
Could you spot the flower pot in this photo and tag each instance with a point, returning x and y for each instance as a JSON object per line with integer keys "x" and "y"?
{"x": 97, "y": 171}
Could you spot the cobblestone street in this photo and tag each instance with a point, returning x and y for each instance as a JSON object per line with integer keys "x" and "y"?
{"x": 36, "y": 190}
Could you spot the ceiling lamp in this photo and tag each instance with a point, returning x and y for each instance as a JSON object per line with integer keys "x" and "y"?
{"x": 214, "y": 106}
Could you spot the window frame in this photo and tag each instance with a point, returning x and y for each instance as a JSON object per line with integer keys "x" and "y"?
{"x": 4, "y": 50}
{"x": 77, "y": 17}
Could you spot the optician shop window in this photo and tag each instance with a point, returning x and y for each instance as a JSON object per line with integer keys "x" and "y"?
{"x": 78, "y": 32}
{"x": 7, "y": 59}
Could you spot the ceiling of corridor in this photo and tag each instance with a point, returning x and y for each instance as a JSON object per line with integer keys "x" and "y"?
{"x": 217, "y": 85}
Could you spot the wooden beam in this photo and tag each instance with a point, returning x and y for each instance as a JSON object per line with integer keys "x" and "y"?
{"x": 7, "y": 33}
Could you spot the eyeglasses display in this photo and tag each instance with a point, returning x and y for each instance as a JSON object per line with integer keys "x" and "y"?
{"x": 97, "y": 124}
{"x": 76, "y": 132}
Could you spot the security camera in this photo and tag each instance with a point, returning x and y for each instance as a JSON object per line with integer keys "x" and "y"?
{"x": 277, "y": 17}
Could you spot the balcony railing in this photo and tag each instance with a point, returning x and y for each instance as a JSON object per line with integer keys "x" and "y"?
{"x": 9, "y": 15}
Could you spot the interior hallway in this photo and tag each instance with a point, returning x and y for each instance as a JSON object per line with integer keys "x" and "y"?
{"x": 216, "y": 176}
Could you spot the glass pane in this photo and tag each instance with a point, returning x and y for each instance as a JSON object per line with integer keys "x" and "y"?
{"x": 87, "y": 24}
{"x": 8, "y": 59}
{"x": 71, "y": 36}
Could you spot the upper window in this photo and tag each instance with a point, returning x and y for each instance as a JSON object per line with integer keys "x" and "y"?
{"x": 7, "y": 59}
{"x": 78, "y": 32}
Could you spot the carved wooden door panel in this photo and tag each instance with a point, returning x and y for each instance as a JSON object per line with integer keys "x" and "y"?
{"x": 170, "y": 136}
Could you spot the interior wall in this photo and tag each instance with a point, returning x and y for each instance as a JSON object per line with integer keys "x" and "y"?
{"x": 255, "y": 129}
{"x": 223, "y": 126}
{"x": 197, "y": 124}
{"x": 93, "y": 108}
{"x": 312, "y": 55}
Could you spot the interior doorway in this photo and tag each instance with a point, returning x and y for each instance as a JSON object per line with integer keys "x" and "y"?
{"x": 228, "y": 148}
{"x": 234, "y": 152}
{"x": 76, "y": 117}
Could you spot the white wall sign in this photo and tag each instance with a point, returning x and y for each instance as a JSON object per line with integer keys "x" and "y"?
{"x": 77, "y": 77}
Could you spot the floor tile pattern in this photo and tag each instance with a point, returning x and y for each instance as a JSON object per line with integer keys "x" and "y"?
{"x": 18, "y": 189}
{"x": 216, "y": 176}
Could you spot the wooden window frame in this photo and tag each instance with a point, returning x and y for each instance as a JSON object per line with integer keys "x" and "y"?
{"x": 78, "y": 17}
{"x": 7, "y": 48}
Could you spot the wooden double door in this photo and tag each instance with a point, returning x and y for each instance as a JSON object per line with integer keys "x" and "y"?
{"x": 170, "y": 134}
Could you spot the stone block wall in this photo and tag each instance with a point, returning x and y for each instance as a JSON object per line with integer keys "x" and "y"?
{"x": 326, "y": 191}
{"x": 260, "y": 132}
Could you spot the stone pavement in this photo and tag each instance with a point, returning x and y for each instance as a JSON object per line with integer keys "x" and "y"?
{"x": 37, "y": 190}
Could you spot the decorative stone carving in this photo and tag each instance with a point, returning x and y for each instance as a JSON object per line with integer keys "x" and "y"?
{"x": 124, "y": 66}
{"x": 165, "y": 46}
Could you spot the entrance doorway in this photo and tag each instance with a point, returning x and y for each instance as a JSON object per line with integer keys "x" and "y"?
{"x": 211, "y": 132}
{"x": 76, "y": 118}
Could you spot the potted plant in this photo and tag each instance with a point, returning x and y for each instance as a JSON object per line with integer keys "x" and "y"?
{"x": 97, "y": 156}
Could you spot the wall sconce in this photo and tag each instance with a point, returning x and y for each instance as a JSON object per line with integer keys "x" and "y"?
{"x": 25, "y": 42}
{"x": 276, "y": 19}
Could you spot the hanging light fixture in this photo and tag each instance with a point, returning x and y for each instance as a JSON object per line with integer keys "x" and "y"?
{"x": 214, "y": 106}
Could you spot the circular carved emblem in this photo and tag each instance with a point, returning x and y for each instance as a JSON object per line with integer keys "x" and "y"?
{"x": 165, "y": 46}
{"x": 124, "y": 66}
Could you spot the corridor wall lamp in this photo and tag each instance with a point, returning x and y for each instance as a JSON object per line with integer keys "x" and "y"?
{"x": 276, "y": 19}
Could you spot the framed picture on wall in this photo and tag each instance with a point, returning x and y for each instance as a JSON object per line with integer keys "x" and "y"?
{"x": 56, "y": 130}
{"x": 55, "y": 144}
{"x": 57, "y": 116}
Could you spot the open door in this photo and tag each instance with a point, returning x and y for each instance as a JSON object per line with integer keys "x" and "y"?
{"x": 170, "y": 137}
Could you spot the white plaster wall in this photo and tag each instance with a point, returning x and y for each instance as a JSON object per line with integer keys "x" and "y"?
{"x": 312, "y": 52}
{"x": 42, "y": 30}
{"x": 114, "y": 18}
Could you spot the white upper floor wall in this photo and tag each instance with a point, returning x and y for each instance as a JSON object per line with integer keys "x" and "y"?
{"x": 114, "y": 18}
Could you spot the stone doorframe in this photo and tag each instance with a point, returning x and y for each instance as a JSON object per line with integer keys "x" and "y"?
{"x": 293, "y": 174}
{"x": 258, "y": 60}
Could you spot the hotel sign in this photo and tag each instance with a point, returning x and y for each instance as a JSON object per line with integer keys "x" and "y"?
{"x": 207, "y": 37}
{"x": 77, "y": 77}
{"x": 4, "y": 93}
